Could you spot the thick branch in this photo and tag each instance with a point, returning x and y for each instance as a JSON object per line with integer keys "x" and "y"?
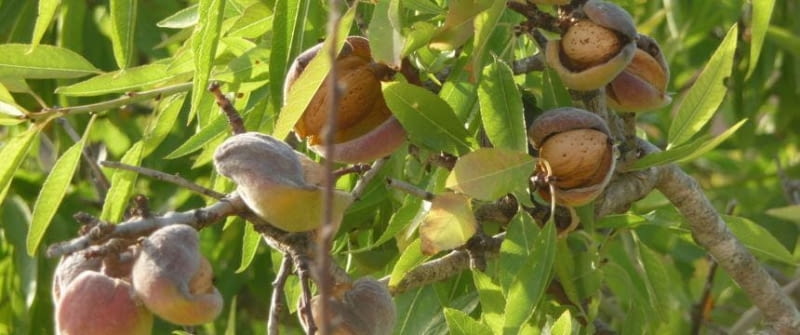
{"x": 710, "y": 231}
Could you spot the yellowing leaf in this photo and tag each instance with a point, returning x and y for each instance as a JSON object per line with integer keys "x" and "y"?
{"x": 490, "y": 173}
{"x": 449, "y": 223}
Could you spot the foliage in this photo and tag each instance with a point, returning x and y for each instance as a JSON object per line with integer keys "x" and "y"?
{"x": 129, "y": 64}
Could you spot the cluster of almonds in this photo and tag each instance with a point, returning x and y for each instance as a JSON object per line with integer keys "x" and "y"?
{"x": 599, "y": 49}
{"x": 164, "y": 275}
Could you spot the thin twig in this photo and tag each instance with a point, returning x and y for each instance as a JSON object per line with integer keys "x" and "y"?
{"x": 752, "y": 315}
{"x": 106, "y": 105}
{"x": 410, "y": 189}
{"x": 163, "y": 176}
{"x": 303, "y": 272}
{"x": 701, "y": 310}
{"x": 234, "y": 119}
{"x": 362, "y": 183}
{"x": 327, "y": 230}
{"x": 528, "y": 64}
{"x": 278, "y": 303}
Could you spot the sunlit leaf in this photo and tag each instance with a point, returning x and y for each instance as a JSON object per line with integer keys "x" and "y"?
{"x": 417, "y": 311}
{"x": 529, "y": 286}
{"x": 621, "y": 221}
{"x": 53, "y": 190}
{"x": 254, "y": 22}
{"x": 788, "y": 213}
{"x": 131, "y": 79}
{"x": 493, "y": 303}
{"x": 707, "y": 93}
{"x": 164, "y": 121}
{"x": 13, "y": 151}
{"x": 489, "y": 173}
{"x": 563, "y": 325}
{"x": 427, "y": 118}
{"x": 122, "y": 183}
{"x": 457, "y": 28}
{"x": 251, "y": 239}
{"x": 43, "y": 62}
{"x": 762, "y": 11}
{"x": 501, "y": 108}
{"x": 758, "y": 239}
{"x": 687, "y": 151}
{"x": 409, "y": 258}
{"x": 47, "y": 11}
{"x": 449, "y": 224}
{"x": 400, "y": 220}
{"x": 288, "y": 31}
{"x": 309, "y": 82}
{"x": 459, "y": 323}
{"x": 205, "y": 41}
{"x": 516, "y": 248}
{"x": 123, "y": 28}
{"x": 384, "y": 36}
{"x": 183, "y": 18}
{"x": 215, "y": 129}
{"x": 417, "y": 36}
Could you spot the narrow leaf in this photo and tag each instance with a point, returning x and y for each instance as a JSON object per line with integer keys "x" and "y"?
{"x": 283, "y": 28}
{"x": 707, "y": 93}
{"x": 165, "y": 119}
{"x": 402, "y": 218}
{"x": 123, "y": 27}
{"x": 309, "y": 82}
{"x": 47, "y": 11}
{"x": 788, "y": 213}
{"x": 43, "y": 62}
{"x": 427, "y": 118}
{"x": 205, "y": 40}
{"x": 501, "y": 108}
{"x": 529, "y": 286}
{"x": 13, "y": 151}
{"x": 562, "y": 326}
{"x": 686, "y": 151}
{"x": 411, "y": 257}
{"x": 122, "y": 183}
{"x": 489, "y": 173}
{"x": 131, "y": 79}
{"x": 784, "y": 39}
{"x": 459, "y": 323}
{"x": 251, "y": 239}
{"x": 183, "y": 18}
{"x": 762, "y": 11}
{"x": 53, "y": 190}
{"x": 215, "y": 129}
{"x": 758, "y": 239}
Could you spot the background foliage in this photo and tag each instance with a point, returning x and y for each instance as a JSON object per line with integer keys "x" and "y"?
{"x": 644, "y": 271}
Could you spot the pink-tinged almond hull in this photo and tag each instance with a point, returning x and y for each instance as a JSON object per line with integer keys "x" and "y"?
{"x": 628, "y": 93}
{"x": 379, "y": 142}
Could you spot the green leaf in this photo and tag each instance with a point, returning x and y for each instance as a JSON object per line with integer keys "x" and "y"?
{"x": 205, "y": 40}
{"x": 621, "y": 221}
{"x": 459, "y": 323}
{"x": 11, "y": 114}
{"x": 562, "y": 326}
{"x": 417, "y": 311}
{"x": 788, "y": 213}
{"x": 13, "y": 151}
{"x": 183, "y": 18}
{"x": 53, "y": 190}
{"x": 230, "y": 328}
{"x": 284, "y": 28}
{"x": 122, "y": 183}
{"x": 785, "y": 39}
{"x": 458, "y": 23}
{"x": 460, "y": 91}
{"x": 251, "y": 239}
{"x": 427, "y": 118}
{"x": 762, "y": 11}
{"x": 516, "y": 248}
{"x": 501, "y": 108}
{"x": 123, "y": 28}
{"x": 686, "y": 151}
{"x": 402, "y": 218}
{"x": 47, "y": 11}
{"x": 384, "y": 36}
{"x": 489, "y": 173}
{"x": 758, "y": 239}
{"x": 424, "y": 6}
{"x": 707, "y": 93}
{"x": 44, "y": 62}
{"x": 656, "y": 278}
{"x": 165, "y": 119}
{"x": 493, "y": 303}
{"x": 448, "y": 224}
{"x": 529, "y": 286}
{"x": 215, "y": 129}
{"x": 131, "y": 79}
{"x": 417, "y": 36}
{"x": 309, "y": 82}
{"x": 254, "y": 22}
{"x": 411, "y": 257}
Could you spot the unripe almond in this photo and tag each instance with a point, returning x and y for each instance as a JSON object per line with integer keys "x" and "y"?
{"x": 643, "y": 84}
{"x": 365, "y": 308}
{"x": 575, "y": 153}
{"x": 594, "y": 49}
{"x": 363, "y": 114}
